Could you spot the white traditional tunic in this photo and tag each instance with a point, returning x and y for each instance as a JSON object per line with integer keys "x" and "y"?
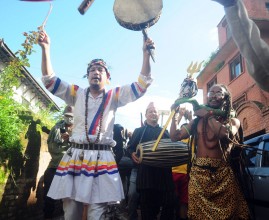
{"x": 253, "y": 48}
{"x": 91, "y": 181}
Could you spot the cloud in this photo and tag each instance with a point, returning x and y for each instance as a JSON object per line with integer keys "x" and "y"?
{"x": 130, "y": 115}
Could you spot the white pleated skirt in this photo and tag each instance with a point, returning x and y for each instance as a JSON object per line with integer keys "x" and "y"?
{"x": 87, "y": 180}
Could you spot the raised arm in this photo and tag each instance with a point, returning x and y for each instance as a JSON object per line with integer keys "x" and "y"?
{"x": 182, "y": 133}
{"x": 146, "y": 70}
{"x": 44, "y": 42}
{"x": 246, "y": 35}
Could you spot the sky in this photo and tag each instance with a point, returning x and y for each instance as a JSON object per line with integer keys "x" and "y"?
{"x": 186, "y": 31}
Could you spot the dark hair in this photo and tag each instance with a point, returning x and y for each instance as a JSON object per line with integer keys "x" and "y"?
{"x": 99, "y": 62}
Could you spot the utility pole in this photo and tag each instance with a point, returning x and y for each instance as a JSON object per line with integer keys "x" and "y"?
{"x": 162, "y": 113}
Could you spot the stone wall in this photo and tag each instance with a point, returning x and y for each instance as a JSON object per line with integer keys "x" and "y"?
{"x": 23, "y": 192}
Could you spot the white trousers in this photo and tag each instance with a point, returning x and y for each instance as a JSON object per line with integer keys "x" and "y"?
{"x": 73, "y": 210}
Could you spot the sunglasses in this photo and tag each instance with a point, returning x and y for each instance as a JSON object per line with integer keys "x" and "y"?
{"x": 217, "y": 94}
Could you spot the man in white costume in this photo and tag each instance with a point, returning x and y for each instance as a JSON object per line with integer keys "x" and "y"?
{"x": 87, "y": 173}
{"x": 247, "y": 37}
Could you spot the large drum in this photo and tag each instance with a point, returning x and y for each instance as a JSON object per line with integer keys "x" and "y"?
{"x": 168, "y": 153}
{"x": 137, "y": 14}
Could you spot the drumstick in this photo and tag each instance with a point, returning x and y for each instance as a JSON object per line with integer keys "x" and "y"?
{"x": 84, "y": 6}
{"x": 42, "y": 27}
{"x": 150, "y": 49}
{"x": 163, "y": 130}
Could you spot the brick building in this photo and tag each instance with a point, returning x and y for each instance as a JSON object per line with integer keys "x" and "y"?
{"x": 228, "y": 67}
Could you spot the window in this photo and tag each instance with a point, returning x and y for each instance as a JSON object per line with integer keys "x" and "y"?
{"x": 265, "y": 155}
{"x": 236, "y": 67}
{"x": 267, "y": 5}
{"x": 251, "y": 155}
{"x": 211, "y": 83}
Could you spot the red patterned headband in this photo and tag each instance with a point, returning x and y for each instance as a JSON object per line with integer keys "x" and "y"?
{"x": 99, "y": 62}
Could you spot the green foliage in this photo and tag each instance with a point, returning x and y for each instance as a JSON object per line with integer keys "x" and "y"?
{"x": 28, "y": 45}
{"x": 10, "y": 129}
{"x": 11, "y": 124}
{"x": 13, "y": 70}
{"x": 47, "y": 117}
{"x": 10, "y": 75}
{"x": 211, "y": 57}
{"x": 14, "y": 117}
{"x": 3, "y": 177}
{"x": 219, "y": 66}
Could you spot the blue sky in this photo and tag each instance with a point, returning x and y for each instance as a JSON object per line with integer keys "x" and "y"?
{"x": 185, "y": 32}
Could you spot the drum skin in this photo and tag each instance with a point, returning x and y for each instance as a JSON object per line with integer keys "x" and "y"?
{"x": 167, "y": 154}
{"x": 137, "y": 14}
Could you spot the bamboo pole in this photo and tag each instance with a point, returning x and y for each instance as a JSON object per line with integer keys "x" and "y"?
{"x": 154, "y": 148}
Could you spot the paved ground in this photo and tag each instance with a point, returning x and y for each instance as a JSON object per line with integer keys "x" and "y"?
{"x": 115, "y": 214}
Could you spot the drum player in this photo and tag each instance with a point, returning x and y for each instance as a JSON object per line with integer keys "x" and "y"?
{"x": 154, "y": 184}
{"x": 87, "y": 173}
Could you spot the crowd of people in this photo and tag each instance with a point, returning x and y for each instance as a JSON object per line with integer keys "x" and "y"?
{"x": 87, "y": 176}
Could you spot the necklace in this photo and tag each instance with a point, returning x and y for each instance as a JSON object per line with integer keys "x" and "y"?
{"x": 81, "y": 155}
{"x": 101, "y": 116}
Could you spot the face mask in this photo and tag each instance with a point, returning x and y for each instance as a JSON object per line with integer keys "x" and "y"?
{"x": 68, "y": 120}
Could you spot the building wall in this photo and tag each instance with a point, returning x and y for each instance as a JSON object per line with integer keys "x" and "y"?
{"x": 25, "y": 94}
{"x": 250, "y": 114}
{"x": 23, "y": 195}
{"x": 251, "y": 102}
{"x": 222, "y": 33}
{"x": 257, "y": 9}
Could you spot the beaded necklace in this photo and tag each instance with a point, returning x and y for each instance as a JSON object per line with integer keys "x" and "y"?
{"x": 101, "y": 116}
{"x": 81, "y": 154}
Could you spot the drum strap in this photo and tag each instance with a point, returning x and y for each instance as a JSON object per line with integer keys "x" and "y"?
{"x": 143, "y": 134}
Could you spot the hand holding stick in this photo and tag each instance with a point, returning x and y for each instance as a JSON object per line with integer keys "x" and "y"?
{"x": 84, "y": 6}
{"x": 163, "y": 130}
{"x": 42, "y": 27}
{"x": 42, "y": 38}
{"x": 149, "y": 48}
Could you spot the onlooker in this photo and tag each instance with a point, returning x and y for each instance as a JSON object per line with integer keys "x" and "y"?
{"x": 58, "y": 144}
{"x": 118, "y": 136}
